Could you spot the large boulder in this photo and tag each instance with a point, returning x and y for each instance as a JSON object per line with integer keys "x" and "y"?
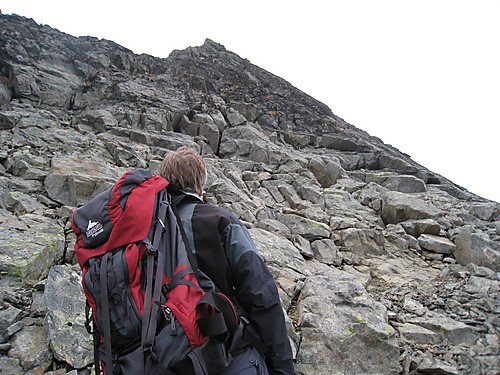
{"x": 45, "y": 84}
{"x": 436, "y": 244}
{"x": 30, "y": 245}
{"x": 277, "y": 251}
{"x": 476, "y": 247}
{"x": 74, "y": 181}
{"x": 451, "y": 330}
{"x": 363, "y": 241}
{"x": 398, "y": 207}
{"x": 424, "y": 226}
{"x": 307, "y": 228}
{"x": 327, "y": 252}
{"x": 65, "y": 319}
{"x": 29, "y": 346}
{"x": 326, "y": 170}
{"x": 486, "y": 211}
{"x": 394, "y": 182}
{"x": 344, "y": 330}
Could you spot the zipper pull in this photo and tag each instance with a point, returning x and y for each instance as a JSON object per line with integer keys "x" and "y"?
{"x": 166, "y": 312}
{"x": 173, "y": 329}
{"x": 169, "y": 317}
{"x": 257, "y": 366}
{"x": 165, "y": 309}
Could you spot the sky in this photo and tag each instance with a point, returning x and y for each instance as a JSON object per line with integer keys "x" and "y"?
{"x": 423, "y": 76}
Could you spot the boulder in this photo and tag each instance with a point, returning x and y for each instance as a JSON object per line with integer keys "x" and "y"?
{"x": 274, "y": 226}
{"x": 10, "y": 365}
{"x": 344, "y": 330}
{"x": 291, "y": 196}
{"x": 486, "y": 211}
{"x": 20, "y": 203}
{"x": 476, "y": 247}
{"x": 391, "y": 162}
{"x": 398, "y": 207}
{"x": 340, "y": 143}
{"x": 277, "y": 251}
{"x": 5, "y": 95}
{"x": 429, "y": 365}
{"x": 74, "y": 181}
{"x": 250, "y": 111}
{"x": 476, "y": 270}
{"x": 125, "y": 154}
{"x": 418, "y": 334}
{"x": 234, "y": 117}
{"x": 307, "y": 228}
{"x": 31, "y": 247}
{"x": 225, "y": 191}
{"x": 208, "y": 129}
{"x": 342, "y": 204}
{"x": 218, "y": 119}
{"x": 272, "y": 188}
{"x": 29, "y": 346}
{"x": 440, "y": 245}
{"x": 401, "y": 183}
{"x": 8, "y": 119}
{"x": 303, "y": 245}
{"x": 45, "y": 84}
{"x": 482, "y": 286}
{"x": 65, "y": 319}
{"x": 99, "y": 119}
{"x": 416, "y": 228}
{"x": 363, "y": 241}
{"x": 326, "y": 170}
{"x": 8, "y": 316}
{"x": 325, "y": 251}
{"x": 454, "y": 332}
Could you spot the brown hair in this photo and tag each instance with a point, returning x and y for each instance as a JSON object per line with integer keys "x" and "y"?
{"x": 185, "y": 169}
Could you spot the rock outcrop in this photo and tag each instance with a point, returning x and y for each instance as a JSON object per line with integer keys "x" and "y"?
{"x": 383, "y": 266}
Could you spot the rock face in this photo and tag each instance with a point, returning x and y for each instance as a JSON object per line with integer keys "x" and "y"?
{"x": 383, "y": 266}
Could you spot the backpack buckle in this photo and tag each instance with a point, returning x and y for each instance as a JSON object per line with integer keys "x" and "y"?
{"x": 149, "y": 246}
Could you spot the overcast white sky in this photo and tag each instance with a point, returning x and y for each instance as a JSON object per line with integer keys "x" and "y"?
{"x": 424, "y": 76}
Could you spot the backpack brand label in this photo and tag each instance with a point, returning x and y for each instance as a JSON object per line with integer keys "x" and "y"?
{"x": 94, "y": 229}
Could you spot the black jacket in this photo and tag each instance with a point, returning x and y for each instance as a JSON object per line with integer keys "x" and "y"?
{"x": 227, "y": 255}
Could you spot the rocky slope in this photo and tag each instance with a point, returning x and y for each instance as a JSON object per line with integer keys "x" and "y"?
{"x": 383, "y": 266}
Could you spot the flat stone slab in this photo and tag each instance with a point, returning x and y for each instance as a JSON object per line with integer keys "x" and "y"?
{"x": 419, "y": 334}
{"x": 436, "y": 244}
{"x": 453, "y": 331}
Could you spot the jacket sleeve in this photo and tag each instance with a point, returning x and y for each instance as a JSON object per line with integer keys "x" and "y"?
{"x": 256, "y": 291}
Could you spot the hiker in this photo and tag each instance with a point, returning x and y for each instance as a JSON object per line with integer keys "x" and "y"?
{"x": 227, "y": 255}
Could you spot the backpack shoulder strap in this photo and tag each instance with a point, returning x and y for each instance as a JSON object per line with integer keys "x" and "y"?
{"x": 175, "y": 201}
{"x": 153, "y": 284}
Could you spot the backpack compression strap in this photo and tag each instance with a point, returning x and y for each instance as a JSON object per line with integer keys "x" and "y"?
{"x": 106, "y": 329}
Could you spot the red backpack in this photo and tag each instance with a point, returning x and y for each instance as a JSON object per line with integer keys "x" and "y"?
{"x": 141, "y": 282}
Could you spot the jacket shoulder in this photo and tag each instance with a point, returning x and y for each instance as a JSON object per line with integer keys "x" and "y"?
{"x": 208, "y": 211}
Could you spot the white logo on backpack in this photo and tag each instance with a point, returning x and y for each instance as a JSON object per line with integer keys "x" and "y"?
{"x": 94, "y": 229}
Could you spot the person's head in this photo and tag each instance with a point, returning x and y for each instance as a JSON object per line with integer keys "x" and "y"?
{"x": 185, "y": 169}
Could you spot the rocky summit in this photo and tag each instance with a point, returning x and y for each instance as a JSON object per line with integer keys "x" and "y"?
{"x": 383, "y": 266}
